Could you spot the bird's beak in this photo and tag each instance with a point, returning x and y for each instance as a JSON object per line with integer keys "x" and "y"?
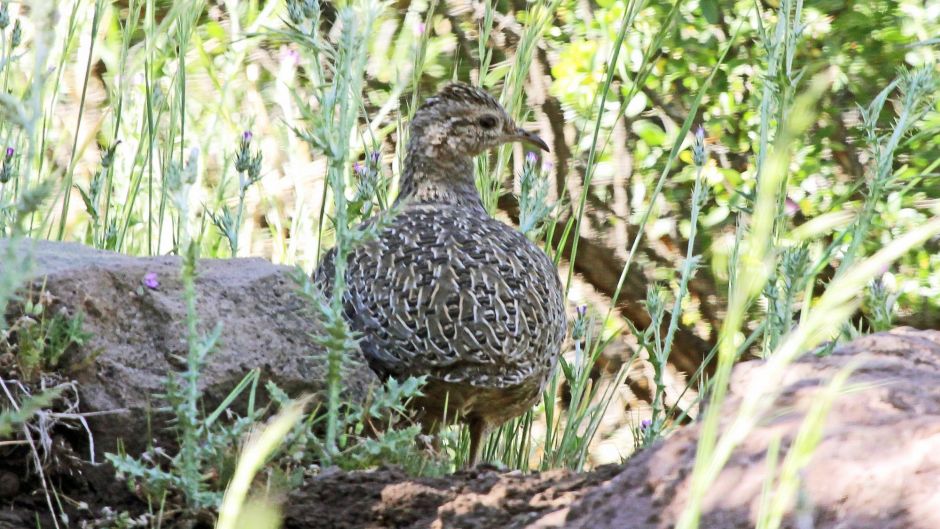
{"x": 531, "y": 138}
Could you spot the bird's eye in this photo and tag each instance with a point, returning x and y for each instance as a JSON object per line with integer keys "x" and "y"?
{"x": 488, "y": 122}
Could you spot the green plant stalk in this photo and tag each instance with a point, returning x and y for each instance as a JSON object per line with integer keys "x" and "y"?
{"x": 805, "y": 444}
{"x": 127, "y": 31}
{"x": 646, "y": 66}
{"x": 70, "y": 171}
{"x": 677, "y": 147}
{"x": 688, "y": 269}
{"x": 753, "y": 273}
{"x": 350, "y": 68}
{"x": 484, "y": 52}
{"x": 566, "y": 445}
{"x": 541, "y": 13}
{"x": 146, "y": 166}
{"x": 150, "y": 24}
{"x": 629, "y": 15}
{"x": 421, "y": 51}
{"x": 770, "y": 472}
{"x": 256, "y": 452}
{"x": 770, "y": 89}
{"x": 189, "y": 419}
{"x": 38, "y": 74}
{"x": 910, "y": 103}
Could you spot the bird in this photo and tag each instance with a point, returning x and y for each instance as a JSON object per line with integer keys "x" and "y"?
{"x": 445, "y": 291}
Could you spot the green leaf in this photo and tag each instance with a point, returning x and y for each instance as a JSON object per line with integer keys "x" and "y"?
{"x": 710, "y": 10}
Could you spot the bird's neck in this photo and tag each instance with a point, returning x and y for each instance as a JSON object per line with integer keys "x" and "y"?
{"x": 429, "y": 177}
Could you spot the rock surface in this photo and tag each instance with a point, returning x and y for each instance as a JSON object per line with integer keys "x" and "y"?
{"x": 877, "y": 464}
{"x": 138, "y": 333}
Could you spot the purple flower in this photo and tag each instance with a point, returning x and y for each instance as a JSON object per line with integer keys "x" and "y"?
{"x": 151, "y": 281}
{"x": 419, "y": 28}
{"x": 358, "y": 168}
{"x": 374, "y": 156}
{"x": 289, "y": 56}
{"x": 246, "y": 136}
{"x": 547, "y": 167}
{"x": 646, "y": 424}
{"x": 10, "y": 152}
{"x": 790, "y": 207}
{"x": 531, "y": 157}
{"x": 582, "y": 311}
{"x": 700, "y": 134}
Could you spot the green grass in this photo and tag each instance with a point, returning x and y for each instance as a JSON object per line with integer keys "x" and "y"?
{"x": 261, "y": 128}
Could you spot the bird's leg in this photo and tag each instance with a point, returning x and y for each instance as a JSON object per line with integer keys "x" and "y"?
{"x": 478, "y": 429}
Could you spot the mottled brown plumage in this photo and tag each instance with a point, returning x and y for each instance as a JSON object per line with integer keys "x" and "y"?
{"x": 448, "y": 292}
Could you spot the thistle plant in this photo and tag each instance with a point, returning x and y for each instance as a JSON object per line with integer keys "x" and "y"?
{"x": 6, "y": 168}
{"x": 879, "y": 305}
{"x": 534, "y": 208}
{"x": 205, "y": 443}
{"x": 178, "y": 183}
{"x": 248, "y": 167}
{"x": 371, "y": 194}
{"x": 917, "y": 90}
{"x": 4, "y": 15}
{"x": 100, "y": 236}
{"x": 329, "y": 131}
{"x": 659, "y": 347}
{"x": 568, "y": 438}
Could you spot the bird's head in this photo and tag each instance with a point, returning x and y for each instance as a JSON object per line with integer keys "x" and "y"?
{"x": 462, "y": 120}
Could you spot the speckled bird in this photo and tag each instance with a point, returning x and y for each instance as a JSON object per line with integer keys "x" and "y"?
{"x": 448, "y": 292}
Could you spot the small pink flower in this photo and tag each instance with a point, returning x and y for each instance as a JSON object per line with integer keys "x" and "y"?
{"x": 151, "y": 281}
{"x": 790, "y": 207}
{"x": 10, "y": 152}
{"x": 289, "y": 57}
{"x": 547, "y": 167}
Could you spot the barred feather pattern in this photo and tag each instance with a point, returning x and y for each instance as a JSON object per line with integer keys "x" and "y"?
{"x": 430, "y": 299}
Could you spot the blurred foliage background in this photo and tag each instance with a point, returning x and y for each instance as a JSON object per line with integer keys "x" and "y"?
{"x": 120, "y": 103}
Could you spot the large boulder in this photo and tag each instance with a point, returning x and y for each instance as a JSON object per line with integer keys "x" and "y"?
{"x": 138, "y": 332}
{"x": 876, "y": 466}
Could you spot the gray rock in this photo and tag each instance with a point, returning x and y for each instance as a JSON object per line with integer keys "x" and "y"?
{"x": 139, "y": 333}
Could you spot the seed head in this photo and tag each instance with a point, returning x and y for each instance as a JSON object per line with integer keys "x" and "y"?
{"x": 4, "y": 16}
{"x": 699, "y": 155}
{"x": 17, "y": 36}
